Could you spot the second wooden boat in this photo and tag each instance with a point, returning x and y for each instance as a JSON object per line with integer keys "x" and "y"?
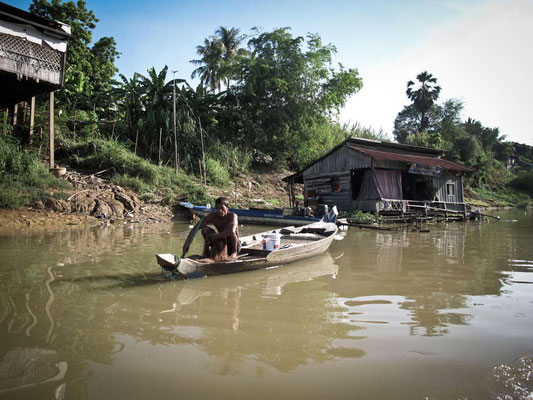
{"x": 250, "y": 216}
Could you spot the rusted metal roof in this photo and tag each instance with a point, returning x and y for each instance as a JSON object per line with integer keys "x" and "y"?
{"x": 410, "y": 159}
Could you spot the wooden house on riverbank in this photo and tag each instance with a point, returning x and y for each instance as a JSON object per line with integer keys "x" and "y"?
{"x": 32, "y": 61}
{"x": 384, "y": 178}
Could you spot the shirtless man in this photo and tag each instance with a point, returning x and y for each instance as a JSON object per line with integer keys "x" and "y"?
{"x": 221, "y": 233}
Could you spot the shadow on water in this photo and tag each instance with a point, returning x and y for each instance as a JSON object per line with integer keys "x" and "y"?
{"x": 124, "y": 281}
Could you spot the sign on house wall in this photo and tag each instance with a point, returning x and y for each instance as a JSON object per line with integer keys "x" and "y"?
{"x": 425, "y": 170}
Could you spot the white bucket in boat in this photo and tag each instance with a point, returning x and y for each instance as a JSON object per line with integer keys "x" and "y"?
{"x": 271, "y": 241}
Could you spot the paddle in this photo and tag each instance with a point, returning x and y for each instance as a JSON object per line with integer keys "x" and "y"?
{"x": 176, "y": 271}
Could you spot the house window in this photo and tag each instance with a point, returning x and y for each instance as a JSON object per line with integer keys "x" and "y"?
{"x": 450, "y": 189}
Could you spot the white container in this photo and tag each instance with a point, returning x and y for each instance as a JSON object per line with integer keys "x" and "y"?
{"x": 271, "y": 241}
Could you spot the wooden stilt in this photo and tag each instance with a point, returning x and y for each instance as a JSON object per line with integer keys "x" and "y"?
{"x": 15, "y": 113}
{"x": 6, "y": 112}
{"x": 51, "y": 132}
{"x": 32, "y": 120}
{"x": 160, "y": 136}
{"x": 136, "y": 138}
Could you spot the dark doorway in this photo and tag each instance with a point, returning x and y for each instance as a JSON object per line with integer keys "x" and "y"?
{"x": 356, "y": 181}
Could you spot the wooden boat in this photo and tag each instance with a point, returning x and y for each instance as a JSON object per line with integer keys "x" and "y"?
{"x": 296, "y": 244}
{"x": 283, "y": 217}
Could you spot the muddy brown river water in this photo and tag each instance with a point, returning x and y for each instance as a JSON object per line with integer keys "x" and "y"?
{"x": 87, "y": 314}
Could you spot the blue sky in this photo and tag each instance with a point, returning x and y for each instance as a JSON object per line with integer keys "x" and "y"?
{"x": 479, "y": 50}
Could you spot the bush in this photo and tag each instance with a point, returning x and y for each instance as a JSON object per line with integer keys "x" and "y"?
{"x": 61, "y": 195}
{"x": 235, "y": 160}
{"x": 358, "y": 217}
{"x": 501, "y": 198}
{"x": 11, "y": 197}
{"x": 135, "y": 172}
{"x": 99, "y": 154}
{"x": 523, "y": 181}
{"x": 23, "y": 178}
{"x": 216, "y": 173}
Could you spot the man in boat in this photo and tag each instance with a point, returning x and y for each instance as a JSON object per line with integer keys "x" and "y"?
{"x": 221, "y": 233}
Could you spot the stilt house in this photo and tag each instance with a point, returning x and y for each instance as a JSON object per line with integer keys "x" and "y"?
{"x": 382, "y": 177}
{"x": 32, "y": 61}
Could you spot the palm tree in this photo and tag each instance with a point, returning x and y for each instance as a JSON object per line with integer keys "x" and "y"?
{"x": 156, "y": 100}
{"x": 127, "y": 94}
{"x": 424, "y": 97}
{"x": 209, "y": 64}
{"x": 79, "y": 88}
{"x": 230, "y": 40}
{"x": 198, "y": 110}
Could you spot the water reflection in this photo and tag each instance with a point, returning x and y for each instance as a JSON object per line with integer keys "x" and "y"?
{"x": 95, "y": 299}
{"x": 431, "y": 271}
{"x": 242, "y": 318}
{"x": 80, "y": 308}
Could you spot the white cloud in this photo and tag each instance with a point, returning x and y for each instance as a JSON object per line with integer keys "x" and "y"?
{"x": 485, "y": 59}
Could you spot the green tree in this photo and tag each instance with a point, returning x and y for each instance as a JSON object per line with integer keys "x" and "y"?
{"x": 89, "y": 70}
{"x": 230, "y": 41}
{"x": 104, "y": 54}
{"x": 156, "y": 99}
{"x": 198, "y": 110}
{"x": 127, "y": 95}
{"x": 283, "y": 89}
{"x": 208, "y": 65}
{"x": 443, "y": 123}
{"x": 80, "y": 91}
{"x": 424, "y": 96}
{"x": 82, "y": 22}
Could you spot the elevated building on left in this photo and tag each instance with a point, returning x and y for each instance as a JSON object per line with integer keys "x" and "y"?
{"x": 32, "y": 61}
{"x": 32, "y": 55}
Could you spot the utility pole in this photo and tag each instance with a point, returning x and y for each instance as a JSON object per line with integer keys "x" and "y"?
{"x": 176, "y": 159}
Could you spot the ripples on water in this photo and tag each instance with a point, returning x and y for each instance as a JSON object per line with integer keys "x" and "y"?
{"x": 516, "y": 380}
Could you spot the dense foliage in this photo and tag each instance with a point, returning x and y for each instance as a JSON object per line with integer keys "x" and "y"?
{"x": 282, "y": 95}
{"x": 287, "y": 91}
{"x": 427, "y": 123}
{"x": 23, "y": 178}
{"x": 267, "y": 99}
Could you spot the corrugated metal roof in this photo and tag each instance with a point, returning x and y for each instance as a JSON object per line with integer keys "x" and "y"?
{"x": 436, "y": 162}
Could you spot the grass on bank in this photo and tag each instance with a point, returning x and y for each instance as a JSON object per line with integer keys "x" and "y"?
{"x": 506, "y": 197}
{"x": 24, "y": 179}
{"x": 132, "y": 171}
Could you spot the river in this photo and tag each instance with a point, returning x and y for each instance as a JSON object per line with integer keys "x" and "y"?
{"x": 446, "y": 314}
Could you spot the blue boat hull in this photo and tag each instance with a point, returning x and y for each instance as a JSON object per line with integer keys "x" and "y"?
{"x": 262, "y": 217}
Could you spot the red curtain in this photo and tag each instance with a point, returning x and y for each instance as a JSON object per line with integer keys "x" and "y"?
{"x": 381, "y": 184}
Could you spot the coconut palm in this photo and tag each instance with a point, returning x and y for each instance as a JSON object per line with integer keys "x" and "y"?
{"x": 209, "y": 64}
{"x": 230, "y": 41}
{"x": 424, "y": 97}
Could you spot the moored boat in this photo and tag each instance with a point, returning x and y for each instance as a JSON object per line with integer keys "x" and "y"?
{"x": 294, "y": 244}
{"x": 285, "y": 217}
